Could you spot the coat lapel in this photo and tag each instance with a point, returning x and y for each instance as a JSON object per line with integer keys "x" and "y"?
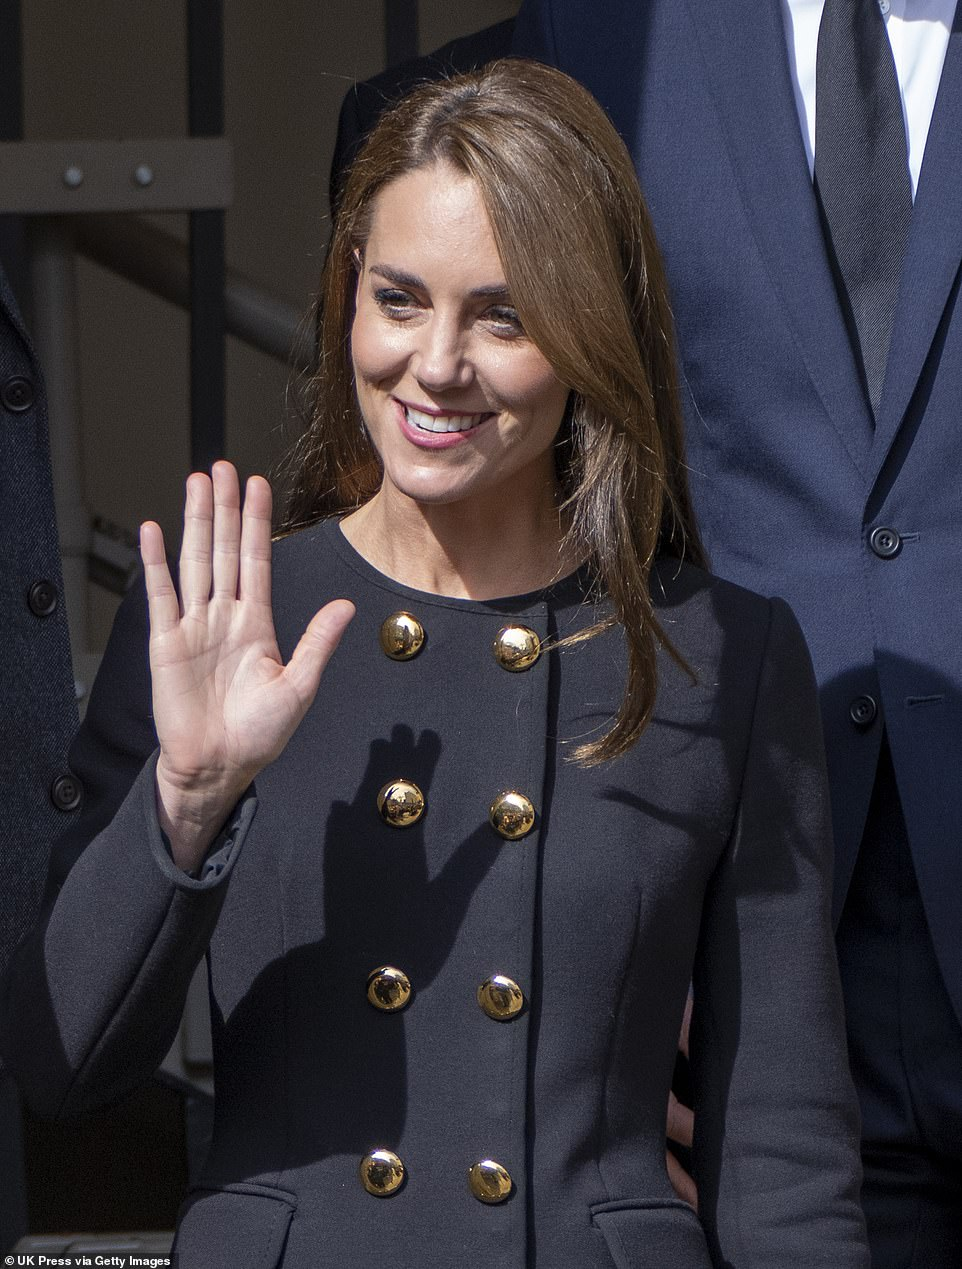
{"x": 744, "y": 47}
{"x": 933, "y": 254}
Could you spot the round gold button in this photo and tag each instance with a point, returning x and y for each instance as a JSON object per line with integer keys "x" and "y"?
{"x": 400, "y": 803}
{"x": 512, "y": 815}
{"x": 516, "y": 648}
{"x": 382, "y": 1173}
{"x": 490, "y": 1182}
{"x": 388, "y": 989}
{"x": 501, "y": 998}
{"x": 402, "y": 636}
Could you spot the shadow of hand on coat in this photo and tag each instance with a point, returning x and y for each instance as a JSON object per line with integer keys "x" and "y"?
{"x": 391, "y": 896}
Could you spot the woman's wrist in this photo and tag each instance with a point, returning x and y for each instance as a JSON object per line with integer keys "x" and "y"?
{"x": 193, "y": 810}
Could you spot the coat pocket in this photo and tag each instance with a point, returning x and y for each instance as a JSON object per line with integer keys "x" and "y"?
{"x": 652, "y": 1235}
{"x": 241, "y": 1227}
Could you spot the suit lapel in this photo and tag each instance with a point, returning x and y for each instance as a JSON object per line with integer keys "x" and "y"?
{"x": 744, "y": 47}
{"x": 933, "y": 254}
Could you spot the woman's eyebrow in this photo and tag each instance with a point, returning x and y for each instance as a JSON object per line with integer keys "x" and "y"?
{"x": 494, "y": 291}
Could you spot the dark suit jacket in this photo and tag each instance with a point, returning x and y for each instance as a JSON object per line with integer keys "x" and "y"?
{"x": 364, "y": 104}
{"x": 790, "y": 478}
{"x": 38, "y": 709}
{"x": 703, "y": 853}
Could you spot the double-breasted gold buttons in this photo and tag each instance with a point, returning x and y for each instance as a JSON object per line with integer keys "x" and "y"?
{"x": 512, "y": 815}
{"x": 400, "y": 803}
{"x": 388, "y": 989}
{"x": 501, "y": 998}
{"x": 382, "y": 1173}
{"x": 516, "y": 648}
{"x": 489, "y": 1181}
{"x": 402, "y": 636}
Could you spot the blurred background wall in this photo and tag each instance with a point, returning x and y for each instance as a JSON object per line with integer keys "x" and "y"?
{"x": 115, "y": 69}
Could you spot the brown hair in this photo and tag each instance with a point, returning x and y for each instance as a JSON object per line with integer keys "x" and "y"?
{"x": 586, "y": 277}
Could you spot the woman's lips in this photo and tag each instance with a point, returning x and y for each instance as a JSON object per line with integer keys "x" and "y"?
{"x": 436, "y": 429}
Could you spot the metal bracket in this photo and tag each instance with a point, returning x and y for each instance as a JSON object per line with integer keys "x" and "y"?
{"x": 165, "y": 174}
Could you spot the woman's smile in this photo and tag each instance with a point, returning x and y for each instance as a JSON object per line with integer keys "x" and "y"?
{"x": 434, "y": 428}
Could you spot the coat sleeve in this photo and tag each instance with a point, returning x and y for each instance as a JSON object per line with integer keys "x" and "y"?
{"x": 92, "y": 999}
{"x": 776, "y": 1123}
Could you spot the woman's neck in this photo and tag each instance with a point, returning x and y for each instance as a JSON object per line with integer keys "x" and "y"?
{"x": 477, "y": 549}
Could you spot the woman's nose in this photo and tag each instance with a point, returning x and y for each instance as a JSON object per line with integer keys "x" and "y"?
{"x": 441, "y": 359}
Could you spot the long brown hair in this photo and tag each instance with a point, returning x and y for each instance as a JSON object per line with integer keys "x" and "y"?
{"x": 586, "y": 277}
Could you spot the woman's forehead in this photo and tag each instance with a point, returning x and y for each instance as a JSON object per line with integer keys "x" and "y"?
{"x": 434, "y": 218}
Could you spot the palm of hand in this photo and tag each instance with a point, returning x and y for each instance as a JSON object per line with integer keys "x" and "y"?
{"x": 224, "y": 702}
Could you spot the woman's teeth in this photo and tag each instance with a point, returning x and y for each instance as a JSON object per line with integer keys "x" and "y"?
{"x": 442, "y": 422}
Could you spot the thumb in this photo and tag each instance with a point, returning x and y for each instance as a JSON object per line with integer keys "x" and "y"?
{"x": 316, "y": 647}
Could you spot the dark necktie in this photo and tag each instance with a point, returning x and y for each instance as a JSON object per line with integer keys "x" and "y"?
{"x": 862, "y": 175}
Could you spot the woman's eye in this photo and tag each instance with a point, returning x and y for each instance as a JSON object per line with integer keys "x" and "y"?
{"x": 505, "y": 320}
{"x": 394, "y": 303}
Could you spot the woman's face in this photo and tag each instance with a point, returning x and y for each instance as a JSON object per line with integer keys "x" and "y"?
{"x": 458, "y": 400}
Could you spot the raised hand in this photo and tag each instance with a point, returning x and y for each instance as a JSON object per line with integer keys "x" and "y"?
{"x": 224, "y": 703}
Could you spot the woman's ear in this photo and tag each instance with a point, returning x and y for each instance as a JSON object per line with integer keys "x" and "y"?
{"x": 358, "y": 259}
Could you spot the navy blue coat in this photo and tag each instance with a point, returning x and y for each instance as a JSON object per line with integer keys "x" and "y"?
{"x": 789, "y": 476}
{"x": 38, "y": 708}
{"x": 704, "y": 853}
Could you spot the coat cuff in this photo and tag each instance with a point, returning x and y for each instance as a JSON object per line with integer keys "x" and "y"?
{"x": 223, "y": 853}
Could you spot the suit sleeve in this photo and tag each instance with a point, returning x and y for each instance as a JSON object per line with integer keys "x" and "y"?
{"x": 93, "y": 996}
{"x": 776, "y": 1123}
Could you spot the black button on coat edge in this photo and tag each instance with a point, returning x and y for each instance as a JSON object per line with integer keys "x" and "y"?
{"x": 863, "y": 711}
{"x": 17, "y": 394}
{"x": 42, "y": 598}
{"x": 66, "y": 793}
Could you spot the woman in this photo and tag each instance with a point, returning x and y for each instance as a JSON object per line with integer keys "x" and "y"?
{"x": 495, "y": 838}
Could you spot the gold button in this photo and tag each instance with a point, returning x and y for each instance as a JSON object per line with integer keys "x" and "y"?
{"x": 388, "y": 988}
{"x": 382, "y": 1173}
{"x": 490, "y": 1182}
{"x": 501, "y": 998}
{"x": 516, "y": 648}
{"x": 402, "y": 636}
{"x": 400, "y": 803}
{"x": 512, "y": 815}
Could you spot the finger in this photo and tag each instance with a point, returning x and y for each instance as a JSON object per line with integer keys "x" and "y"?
{"x": 196, "y": 546}
{"x": 162, "y": 603}
{"x": 681, "y": 1122}
{"x": 255, "y": 542}
{"x": 685, "y": 1026}
{"x": 681, "y": 1182}
{"x": 316, "y": 647}
{"x": 227, "y": 528}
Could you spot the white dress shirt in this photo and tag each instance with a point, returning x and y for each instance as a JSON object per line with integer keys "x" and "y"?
{"x": 918, "y": 31}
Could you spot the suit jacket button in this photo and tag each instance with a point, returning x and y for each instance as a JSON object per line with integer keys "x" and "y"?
{"x": 400, "y": 803}
{"x": 402, "y": 636}
{"x": 516, "y": 648}
{"x": 501, "y": 998}
{"x": 490, "y": 1182}
{"x": 863, "y": 711}
{"x": 512, "y": 815}
{"x": 42, "y": 598}
{"x": 885, "y": 542}
{"x": 17, "y": 394}
{"x": 66, "y": 793}
{"x": 388, "y": 989}
{"x": 382, "y": 1173}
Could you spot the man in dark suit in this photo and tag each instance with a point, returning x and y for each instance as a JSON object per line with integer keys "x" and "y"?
{"x": 38, "y": 712}
{"x": 821, "y": 339}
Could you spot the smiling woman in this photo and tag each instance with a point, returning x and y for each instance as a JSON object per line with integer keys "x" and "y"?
{"x": 502, "y": 830}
